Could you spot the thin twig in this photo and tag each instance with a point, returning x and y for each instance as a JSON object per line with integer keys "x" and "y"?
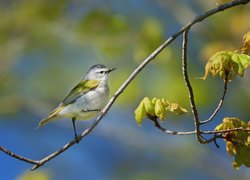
{"x": 220, "y": 103}
{"x": 53, "y": 155}
{"x": 197, "y": 123}
{"x": 157, "y": 124}
{"x": 8, "y": 152}
{"x": 190, "y": 89}
{"x": 128, "y": 81}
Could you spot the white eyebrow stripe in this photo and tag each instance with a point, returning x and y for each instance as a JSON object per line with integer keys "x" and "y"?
{"x": 103, "y": 69}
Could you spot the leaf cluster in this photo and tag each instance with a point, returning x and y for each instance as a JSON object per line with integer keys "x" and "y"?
{"x": 156, "y": 109}
{"x": 237, "y": 142}
{"x": 229, "y": 64}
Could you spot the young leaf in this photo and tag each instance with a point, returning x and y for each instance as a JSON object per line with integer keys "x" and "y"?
{"x": 140, "y": 113}
{"x": 227, "y": 64}
{"x": 237, "y": 142}
{"x": 242, "y": 156}
{"x": 149, "y": 106}
{"x": 230, "y": 148}
{"x": 165, "y": 103}
{"x": 160, "y": 110}
{"x": 174, "y": 107}
{"x": 246, "y": 44}
{"x": 156, "y": 109}
{"x": 243, "y": 61}
{"x": 154, "y": 100}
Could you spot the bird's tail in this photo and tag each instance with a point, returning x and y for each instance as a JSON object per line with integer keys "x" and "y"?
{"x": 44, "y": 121}
{"x": 52, "y": 115}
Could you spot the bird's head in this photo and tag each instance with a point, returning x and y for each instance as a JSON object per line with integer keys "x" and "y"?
{"x": 98, "y": 72}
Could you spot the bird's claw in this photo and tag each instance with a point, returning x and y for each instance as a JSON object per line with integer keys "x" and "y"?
{"x": 77, "y": 139}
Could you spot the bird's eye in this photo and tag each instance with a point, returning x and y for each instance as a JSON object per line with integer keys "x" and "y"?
{"x": 102, "y": 72}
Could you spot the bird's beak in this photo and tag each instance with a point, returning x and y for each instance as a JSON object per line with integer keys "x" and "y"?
{"x": 112, "y": 69}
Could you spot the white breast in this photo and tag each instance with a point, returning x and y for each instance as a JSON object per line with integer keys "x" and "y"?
{"x": 92, "y": 102}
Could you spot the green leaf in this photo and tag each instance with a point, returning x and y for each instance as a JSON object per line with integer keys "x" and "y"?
{"x": 140, "y": 113}
{"x": 237, "y": 142}
{"x": 243, "y": 61}
{"x": 160, "y": 110}
{"x": 175, "y": 107}
{"x": 246, "y": 44}
{"x": 156, "y": 109}
{"x": 149, "y": 106}
{"x": 164, "y": 102}
{"x": 154, "y": 100}
{"x": 242, "y": 156}
{"x": 227, "y": 64}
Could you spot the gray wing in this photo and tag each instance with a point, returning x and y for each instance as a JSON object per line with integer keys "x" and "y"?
{"x": 80, "y": 89}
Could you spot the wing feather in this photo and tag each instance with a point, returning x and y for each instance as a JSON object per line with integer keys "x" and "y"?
{"x": 80, "y": 89}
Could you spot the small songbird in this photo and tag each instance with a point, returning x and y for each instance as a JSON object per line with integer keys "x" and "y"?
{"x": 86, "y": 99}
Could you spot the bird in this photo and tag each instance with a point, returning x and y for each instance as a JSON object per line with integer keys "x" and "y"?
{"x": 85, "y": 100}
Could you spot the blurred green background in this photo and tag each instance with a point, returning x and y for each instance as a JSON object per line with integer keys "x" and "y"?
{"x": 47, "y": 46}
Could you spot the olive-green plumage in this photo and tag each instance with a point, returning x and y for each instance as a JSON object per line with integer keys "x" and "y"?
{"x": 80, "y": 89}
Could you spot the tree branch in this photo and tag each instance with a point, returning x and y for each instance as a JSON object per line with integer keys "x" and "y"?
{"x": 190, "y": 89}
{"x": 157, "y": 124}
{"x": 220, "y": 103}
{"x": 127, "y": 82}
{"x": 197, "y": 122}
{"x": 21, "y": 158}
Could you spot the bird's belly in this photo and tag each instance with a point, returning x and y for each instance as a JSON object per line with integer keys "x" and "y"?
{"x": 87, "y": 106}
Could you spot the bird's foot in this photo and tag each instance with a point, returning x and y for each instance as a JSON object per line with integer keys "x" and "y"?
{"x": 77, "y": 139}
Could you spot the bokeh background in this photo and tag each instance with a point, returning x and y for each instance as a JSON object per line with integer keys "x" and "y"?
{"x": 47, "y": 46}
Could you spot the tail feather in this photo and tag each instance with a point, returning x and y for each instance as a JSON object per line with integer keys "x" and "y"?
{"x": 52, "y": 115}
{"x": 44, "y": 121}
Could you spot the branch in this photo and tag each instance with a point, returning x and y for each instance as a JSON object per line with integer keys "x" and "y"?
{"x": 220, "y": 103}
{"x": 217, "y": 133}
{"x": 21, "y": 158}
{"x": 157, "y": 124}
{"x": 197, "y": 122}
{"x": 128, "y": 81}
{"x": 190, "y": 89}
